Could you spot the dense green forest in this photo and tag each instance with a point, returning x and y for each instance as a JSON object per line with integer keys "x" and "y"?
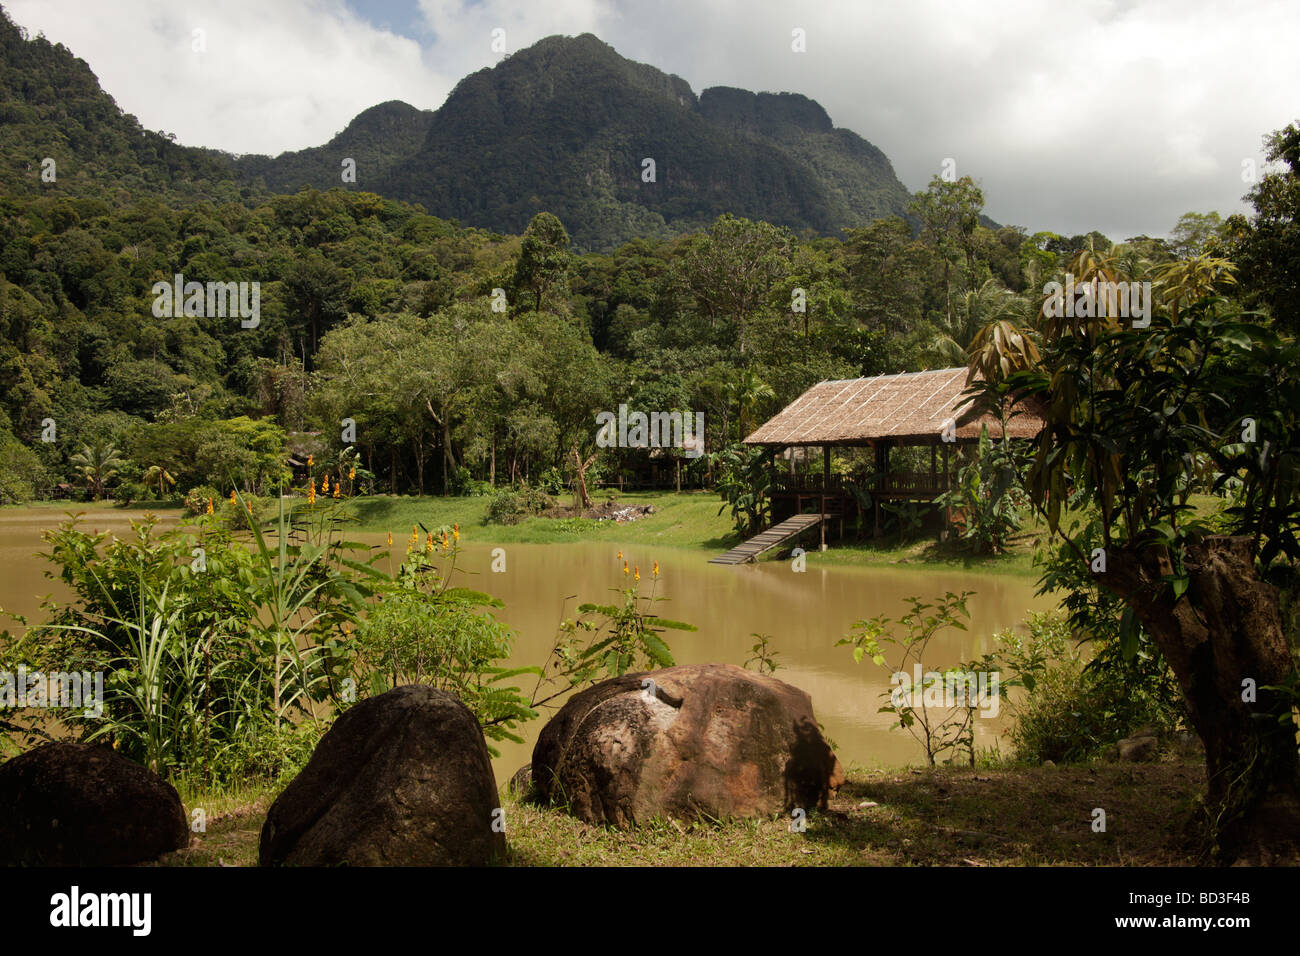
{"x": 466, "y": 357}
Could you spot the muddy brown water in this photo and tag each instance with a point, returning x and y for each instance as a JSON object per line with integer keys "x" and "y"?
{"x": 805, "y": 614}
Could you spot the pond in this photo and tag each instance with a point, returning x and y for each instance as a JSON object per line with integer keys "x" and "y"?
{"x": 805, "y": 613}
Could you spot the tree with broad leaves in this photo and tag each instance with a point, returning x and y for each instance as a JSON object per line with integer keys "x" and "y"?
{"x": 1130, "y": 413}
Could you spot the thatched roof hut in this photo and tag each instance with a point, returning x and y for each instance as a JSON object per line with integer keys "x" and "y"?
{"x": 911, "y": 408}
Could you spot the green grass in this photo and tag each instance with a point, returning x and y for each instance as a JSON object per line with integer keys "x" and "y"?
{"x": 1012, "y": 816}
{"x": 689, "y": 521}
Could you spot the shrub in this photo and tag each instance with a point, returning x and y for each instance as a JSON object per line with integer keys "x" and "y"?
{"x": 1075, "y": 709}
{"x": 511, "y": 505}
{"x": 197, "y": 498}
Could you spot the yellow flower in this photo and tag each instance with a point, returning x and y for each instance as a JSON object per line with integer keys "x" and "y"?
{"x": 311, "y": 460}
{"x": 311, "y": 492}
{"x": 624, "y": 565}
{"x": 455, "y": 532}
{"x": 209, "y": 506}
{"x": 250, "y": 505}
{"x": 336, "y": 489}
{"x": 325, "y": 483}
{"x": 428, "y": 544}
{"x": 232, "y": 496}
{"x": 352, "y": 474}
{"x": 620, "y": 555}
{"x": 656, "y": 569}
{"x": 390, "y": 539}
{"x": 444, "y": 541}
{"x": 637, "y": 575}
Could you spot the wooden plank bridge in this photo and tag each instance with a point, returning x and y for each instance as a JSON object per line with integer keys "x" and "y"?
{"x": 751, "y": 549}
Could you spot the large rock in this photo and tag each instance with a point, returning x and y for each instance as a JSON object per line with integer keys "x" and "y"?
{"x": 402, "y": 779}
{"x": 69, "y": 804}
{"x": 710, "y": 739}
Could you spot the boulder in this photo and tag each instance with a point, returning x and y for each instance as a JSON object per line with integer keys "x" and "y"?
{"x": 1138, "y": 749}
{"x": 521, "y": 784}
{"x": 402, "y": 779}
{"x": 72, "y": 804}
{"x": 708, "y": 739}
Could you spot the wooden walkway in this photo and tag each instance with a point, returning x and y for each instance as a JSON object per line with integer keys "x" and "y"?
{"x": 751, "y": 549}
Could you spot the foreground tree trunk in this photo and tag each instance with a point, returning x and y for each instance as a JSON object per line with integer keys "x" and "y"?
{"x": 1225, "y": 643}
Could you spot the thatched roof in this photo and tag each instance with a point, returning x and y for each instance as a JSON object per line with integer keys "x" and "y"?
{"x": 909, "y": 408}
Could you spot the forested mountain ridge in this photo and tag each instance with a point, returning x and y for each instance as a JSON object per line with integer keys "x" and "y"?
{"x": 375, "y": 140}
{"x": 52, "y": 108}
{"x": 566, "y": 126}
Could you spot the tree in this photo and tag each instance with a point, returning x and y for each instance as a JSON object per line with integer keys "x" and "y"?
{"x": 747, "y": 395}
{"x": 1194, "y": 234}
{"x": 731, "y": 268}
{"x": 160, "y": 478}
{"x": 886, "y": 271}
{"x": 949, "y": 214}
{"x": 1266, "y": 247}
{"x": 1129, "y": 413}
{"x": 316, "y": 291}
{"x": 97, "y": 463}
{"x": 542, "y": 268}
{"x": 988, "y": 305}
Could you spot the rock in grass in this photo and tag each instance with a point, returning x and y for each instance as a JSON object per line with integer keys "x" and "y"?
{"x": 71, "y": 804}
{"x": 402, "y": 779}
{"x": 710, "y": 740}
{"x": 1138, "y": 749}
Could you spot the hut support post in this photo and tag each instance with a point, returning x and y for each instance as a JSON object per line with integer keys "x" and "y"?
{"x": 947, "y": 509}
{"x": 875, "y": 497}
{"x": 826, "y": 487}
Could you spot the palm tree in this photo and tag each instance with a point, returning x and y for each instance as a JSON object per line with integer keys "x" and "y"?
{"x": 160, "y": 476}
{"x": 96, "y": 464}
{"x": 748, "y": 393}
{"x": 982, "y": 307}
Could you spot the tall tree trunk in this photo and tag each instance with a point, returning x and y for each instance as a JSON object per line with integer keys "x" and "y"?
{"x": 447, "y": 459}
{"x": 419, "y": 464}
{"x": 580, "y": 481}
{"x": 1224, "y": 640}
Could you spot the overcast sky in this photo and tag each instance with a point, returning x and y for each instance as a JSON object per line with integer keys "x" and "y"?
{"x": 1118, "y": 115}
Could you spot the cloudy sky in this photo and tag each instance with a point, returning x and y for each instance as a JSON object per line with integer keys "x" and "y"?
{"x": 1111, "y": 114}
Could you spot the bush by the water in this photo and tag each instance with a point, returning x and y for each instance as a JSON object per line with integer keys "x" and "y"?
{"x": 513, "y": 504}
{"x": 1076, "y": 709}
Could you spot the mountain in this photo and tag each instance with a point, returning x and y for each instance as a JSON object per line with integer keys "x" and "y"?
{"x": 52, "y": 107}
{"x": 566, "y": 125}
{"x": 563, "y": 126}
{"x": 375, "y": 140}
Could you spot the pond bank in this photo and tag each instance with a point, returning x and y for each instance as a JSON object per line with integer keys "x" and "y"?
{"x": 689, "y": 522}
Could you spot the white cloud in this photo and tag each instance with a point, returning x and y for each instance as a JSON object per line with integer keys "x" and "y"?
{"x": 1097, "y": 114}
{"x": 273, "y": 75}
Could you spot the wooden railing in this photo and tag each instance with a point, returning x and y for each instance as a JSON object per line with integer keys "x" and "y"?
{"x": 913, "y": 483}
{"x": 894, "y": 483}
{"x": 808, "y": 485}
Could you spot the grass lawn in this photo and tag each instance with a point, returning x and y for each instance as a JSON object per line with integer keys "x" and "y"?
{"x": 689, "y": 521}
{"x": 898, "y": 817}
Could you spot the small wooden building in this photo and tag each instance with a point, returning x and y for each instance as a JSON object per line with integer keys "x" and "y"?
{"x": 925, "y": 409}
